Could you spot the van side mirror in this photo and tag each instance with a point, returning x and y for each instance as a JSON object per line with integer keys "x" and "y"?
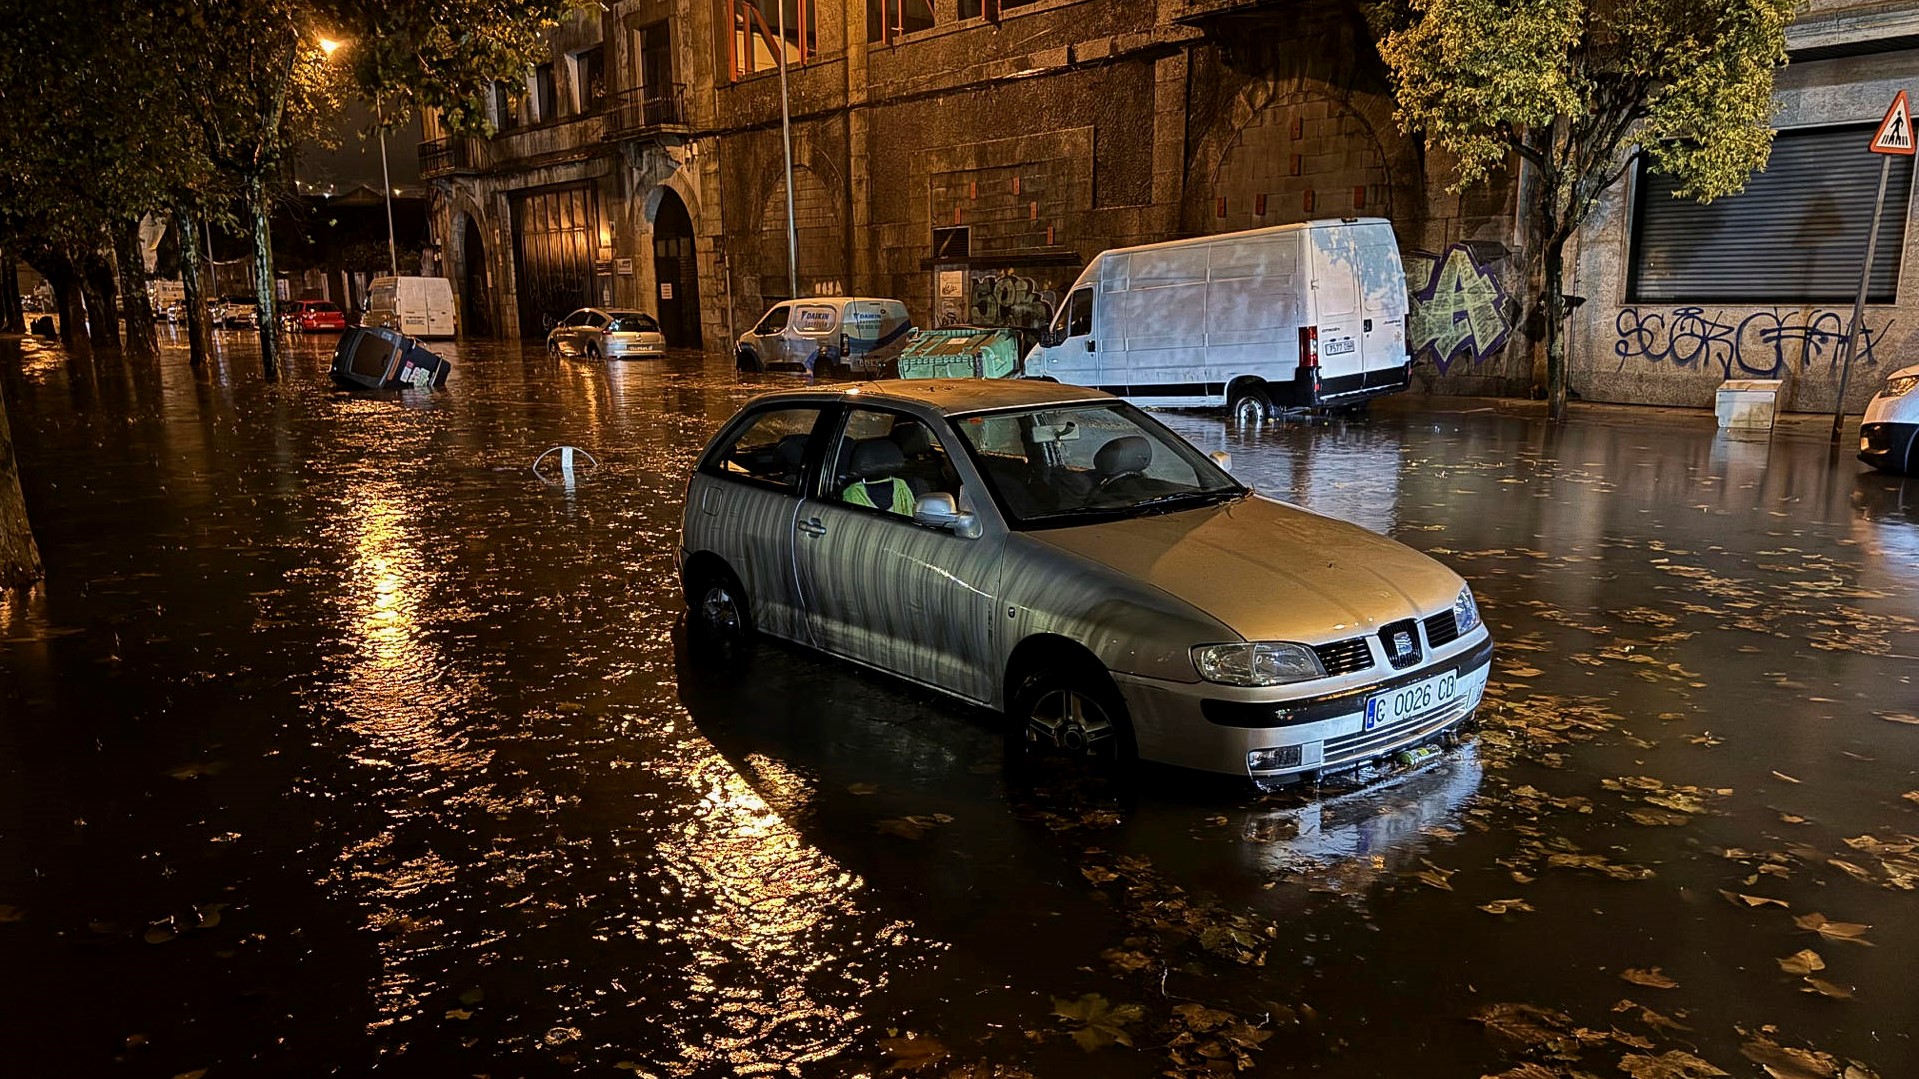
{"x": 941, "y": 510}
{"x": 1051, "y": 338}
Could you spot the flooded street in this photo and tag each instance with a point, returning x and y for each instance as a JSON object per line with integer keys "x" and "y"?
{"x": 339, "y": 741}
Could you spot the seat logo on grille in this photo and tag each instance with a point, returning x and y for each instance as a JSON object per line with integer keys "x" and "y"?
{"x": 1402, "y": 644}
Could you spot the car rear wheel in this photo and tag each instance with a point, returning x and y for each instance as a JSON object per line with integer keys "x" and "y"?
{"x": 1250, "y": 404}
{"x": 592, "y": 352}
{"x": 717, "y": 606}
{"x": 1070, "y": 713}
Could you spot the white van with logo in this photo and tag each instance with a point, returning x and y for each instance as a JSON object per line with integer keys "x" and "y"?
{"x": 1294, "y": 316}
{"x": 799, "y": 334}
{"x": 415, "y": 306}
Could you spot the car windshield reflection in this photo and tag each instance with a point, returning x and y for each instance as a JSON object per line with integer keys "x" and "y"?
{"x": 1069, "y": 465}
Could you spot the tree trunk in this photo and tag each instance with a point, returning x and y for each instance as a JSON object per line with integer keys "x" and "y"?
{"x": 198, "y": 327}
{"x": 103, "y": 311}
{"x": 1555, "y": 307}
{"x": 142, "y": 340}
{"x": 69, "y": 304}
{"x": 258, "y": 210}
{"x": 13, "y": 319}
{"x": 19, "y": 555}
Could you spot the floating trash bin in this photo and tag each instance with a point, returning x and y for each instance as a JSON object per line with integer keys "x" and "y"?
{"x": 1747, "y": 404}
{"x": 376, "y": 358}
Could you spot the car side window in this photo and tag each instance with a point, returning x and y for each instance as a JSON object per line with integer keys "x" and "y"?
{"x": 886, "y": 462}
{"x": 770, "y": 448}
{"x": 575, "y": 319}
{"x": 595, "y": 319}
{"x": 774, "y": 322}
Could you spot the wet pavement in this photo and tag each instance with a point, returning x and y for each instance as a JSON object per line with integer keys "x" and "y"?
{"x": 339, "y": 742}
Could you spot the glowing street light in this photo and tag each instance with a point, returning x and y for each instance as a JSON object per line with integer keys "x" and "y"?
{"x": 329, "y": 46}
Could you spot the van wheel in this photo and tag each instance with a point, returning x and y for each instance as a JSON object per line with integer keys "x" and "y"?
{"x": 748, "y": 360}
{"x": 1250, "y": 405}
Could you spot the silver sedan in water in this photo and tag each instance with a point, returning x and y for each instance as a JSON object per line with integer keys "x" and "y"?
{"x": 613, "y": 335}
{"x": 1059, "y": 556}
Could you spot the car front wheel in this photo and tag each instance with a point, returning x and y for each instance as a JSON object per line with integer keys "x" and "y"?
{"x": 1071, "y": 712}
{"x": 717, "y": 607}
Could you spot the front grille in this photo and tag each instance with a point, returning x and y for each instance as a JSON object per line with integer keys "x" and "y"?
{"x": 1344, "y": 657}
{"x": 1400, "y": 641}
{"x": 1441, "y": 628}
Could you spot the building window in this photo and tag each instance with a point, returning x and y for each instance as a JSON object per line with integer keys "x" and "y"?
{"x": 889, "y": 19}
{"x": 655, "y": 50}
{"x": 589, "y": 77}
{"x": 505, "y": 117}
{"x": 546, "y": 96}
{"x": 1795, "y": 235}
{"x": 755, "y": 43}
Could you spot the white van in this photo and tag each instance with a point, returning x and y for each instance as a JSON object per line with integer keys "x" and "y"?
{"x": 415, "y": 306}
{"x": 1290, "y": 316}
{"x": 836, "y": 329}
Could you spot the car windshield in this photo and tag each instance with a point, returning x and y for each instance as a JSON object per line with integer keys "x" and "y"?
{"x": 1075, "y": 464}
{"x": 632, "y": 322}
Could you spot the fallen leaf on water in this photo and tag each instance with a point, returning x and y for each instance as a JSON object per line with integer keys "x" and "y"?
{"x": 458, "y": 1013}
{"x": 1528, "y": 1026}
{"x": 1127, "y": 962}
{"x": 1651, "y": 979}
{"x": 1706, "y": 739}
{"x": 1740, "y": 899}
{"x": 1437, "y": 880}
{"x": 1851, "y": 931}
{"x": 863, "y": 788}
{"x": 1783, "y": 1062}
{"x": 1898, "y": 717}
{"x": 1652, "y": 817}
{"x": 914, "y": 827}
{"x": 1803, "y": 961}
{"x": 1527, "y": 1070}
{"x": 1102, "y": 1023}
{"x": 1097, "y": 874}
{"x": 1857, "y": 871}
{"x": 1791, "y": 818}
{"x": 1827, "y": 989}
{"x": 912, "y": 1053}
{"x": 1501, "y": 906}
{"x": 1674, "y": 1064}
{"x": 1911, "y": 796}
{"x": 1652, "y": 1018}
{"x": 1200, "y": 1017}
{"x": 1784, "y": 776}
{"x": 1530, "y": 672}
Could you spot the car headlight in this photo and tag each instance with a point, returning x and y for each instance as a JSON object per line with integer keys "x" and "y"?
{"x": 1899, "y": 387}
{"x": 1465, "y": 612}
{"x": 1257, "y": 663}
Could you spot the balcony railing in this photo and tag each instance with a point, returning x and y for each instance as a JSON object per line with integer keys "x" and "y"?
{"x": 442, "y": 157}
{"x": 646, "y": 110}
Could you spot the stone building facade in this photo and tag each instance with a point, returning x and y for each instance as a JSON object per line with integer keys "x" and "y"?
{"x": 969, "y": 156}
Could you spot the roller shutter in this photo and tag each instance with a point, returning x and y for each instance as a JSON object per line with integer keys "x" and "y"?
{"x": 1795, "y": 235}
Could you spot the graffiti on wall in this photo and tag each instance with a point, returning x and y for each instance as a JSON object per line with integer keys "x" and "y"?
{"x": 1763, "y": 344}
{"x": 1458, "y": 307}
{"x": 1002, "y": 298}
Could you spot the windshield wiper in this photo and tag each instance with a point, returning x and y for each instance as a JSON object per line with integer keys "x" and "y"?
{"x": 1197, "y": 497}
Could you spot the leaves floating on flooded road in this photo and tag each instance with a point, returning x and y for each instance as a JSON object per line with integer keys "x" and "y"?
{"x": 1653, "y": 978}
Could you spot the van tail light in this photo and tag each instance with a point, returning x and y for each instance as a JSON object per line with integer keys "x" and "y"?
{"x": 1309, "y": 346}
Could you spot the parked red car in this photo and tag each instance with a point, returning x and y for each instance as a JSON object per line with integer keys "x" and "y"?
{"x": 315, "y": 316}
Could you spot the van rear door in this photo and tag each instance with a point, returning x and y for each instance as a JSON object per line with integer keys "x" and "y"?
{"x": 1382, "y": 298}
{"x": 1336, "y": 316}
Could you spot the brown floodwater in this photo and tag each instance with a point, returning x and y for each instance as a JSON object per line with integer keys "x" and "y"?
{"x": 338, "y": 741}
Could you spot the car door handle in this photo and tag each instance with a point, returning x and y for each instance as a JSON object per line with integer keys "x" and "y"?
{"x": 813, "y": 527}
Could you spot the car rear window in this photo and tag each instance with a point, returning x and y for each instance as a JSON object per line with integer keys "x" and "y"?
{"x": 632, "y": 322}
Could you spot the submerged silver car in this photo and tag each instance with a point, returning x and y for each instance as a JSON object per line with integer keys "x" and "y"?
{"x": 1058, "y": 555}
{"x": 614, "y": 335}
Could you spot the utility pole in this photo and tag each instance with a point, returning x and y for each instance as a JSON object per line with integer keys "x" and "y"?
{"x": 386, "y": 187}
{"x": 786, "y": 146}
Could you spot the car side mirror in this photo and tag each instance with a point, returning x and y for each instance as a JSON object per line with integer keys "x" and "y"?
{"x": 941, "y": 510}
{"x": 1223, "y": 459}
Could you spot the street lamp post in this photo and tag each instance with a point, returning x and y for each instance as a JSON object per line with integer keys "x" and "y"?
{"x": 329, "y": 46}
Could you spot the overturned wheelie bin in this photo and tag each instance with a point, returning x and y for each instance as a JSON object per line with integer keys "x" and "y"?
{"x": 377, "y": 358}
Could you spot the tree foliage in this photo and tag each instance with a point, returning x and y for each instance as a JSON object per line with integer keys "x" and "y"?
{"x": 1575, "y": 88}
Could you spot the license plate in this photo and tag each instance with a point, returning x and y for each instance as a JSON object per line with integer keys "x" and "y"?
{"x": 1388, "y": 708}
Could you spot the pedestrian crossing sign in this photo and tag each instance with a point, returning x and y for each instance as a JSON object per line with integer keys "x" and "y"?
{"x": 1895, "y": 131}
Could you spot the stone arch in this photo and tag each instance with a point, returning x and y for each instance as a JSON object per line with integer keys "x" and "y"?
{"x": 1343, "y": 140}
{"x": 472, "y": 250}
{"x": 819, "y": 231}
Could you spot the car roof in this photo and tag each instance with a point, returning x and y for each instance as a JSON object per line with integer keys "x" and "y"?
{"x": 949, "y": 396}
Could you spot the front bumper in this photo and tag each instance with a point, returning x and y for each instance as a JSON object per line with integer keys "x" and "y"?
{"x": 1192, "y": 725}
{"x": 1889, "y": 447}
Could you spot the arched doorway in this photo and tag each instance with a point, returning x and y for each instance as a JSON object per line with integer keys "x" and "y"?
{"x": 677, "y": 272}
{"x": 478, "y": 299}
{"x": 1301, "y": 157}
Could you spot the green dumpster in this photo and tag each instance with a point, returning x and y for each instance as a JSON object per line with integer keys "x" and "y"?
{"x": 960, "y": 352}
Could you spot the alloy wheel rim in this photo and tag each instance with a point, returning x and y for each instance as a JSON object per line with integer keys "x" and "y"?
{"x": 719, "y": 610}
{"x": 1248, "y": 411}
{"x": 1070, "y": 720}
